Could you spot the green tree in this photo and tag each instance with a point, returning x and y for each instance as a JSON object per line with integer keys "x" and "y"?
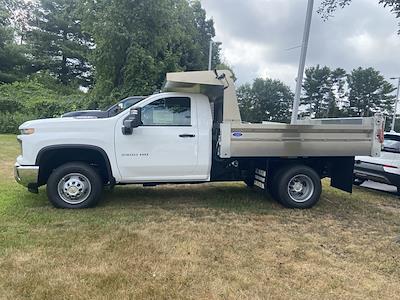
{"x": 58, "y": 43}
{"x": 203, "y": 35}
{"x": 317, "y": 90}
{"x": 328, "y": 7}
{"x": 137, "y": 42}
{"x": 323, "y": 91}
{"x": 339, "y": 80}
{"x": 18, "y": 15}
{"x": 29, "y": 99}
{"x": 265, "y": 100}
{"x": 13, "y": 59}
{"x": 247, "y": 102}
{"x": 369, "y": 93}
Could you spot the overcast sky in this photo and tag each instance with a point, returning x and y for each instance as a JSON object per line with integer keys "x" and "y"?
{"x": 257, "y": 33}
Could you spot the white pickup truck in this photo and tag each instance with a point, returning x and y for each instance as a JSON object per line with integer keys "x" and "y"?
{"x": 190, "y": 133}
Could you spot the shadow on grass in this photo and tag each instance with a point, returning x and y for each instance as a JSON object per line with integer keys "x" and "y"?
{"x": 134, "y": 203}
{"x": 234, "y": 197}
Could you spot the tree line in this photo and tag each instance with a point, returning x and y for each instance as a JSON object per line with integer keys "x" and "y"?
{"x": 122, "y": 47}
{"x": 110, "y": 48}
{"x": 326, "y": 93}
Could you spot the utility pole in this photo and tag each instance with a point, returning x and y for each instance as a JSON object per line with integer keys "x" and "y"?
{"x": 303, "y": 55}
{"x": 210, "y": 55}
{"x": 396, "y": 101}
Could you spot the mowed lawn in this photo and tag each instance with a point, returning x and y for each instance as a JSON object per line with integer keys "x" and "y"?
{"x": 211, "y": 241}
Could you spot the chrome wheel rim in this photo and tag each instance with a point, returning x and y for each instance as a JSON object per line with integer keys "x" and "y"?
{"x": 300, "y": 188}
{"x": 74, "y": 188}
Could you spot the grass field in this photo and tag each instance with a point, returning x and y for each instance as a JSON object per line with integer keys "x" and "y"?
{"x": 212, "y": 241}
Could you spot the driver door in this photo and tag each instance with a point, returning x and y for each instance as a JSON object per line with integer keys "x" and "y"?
{"x": 165, "y": 147}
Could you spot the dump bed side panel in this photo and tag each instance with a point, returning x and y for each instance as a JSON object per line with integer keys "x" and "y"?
{"x": 284, "y": 140}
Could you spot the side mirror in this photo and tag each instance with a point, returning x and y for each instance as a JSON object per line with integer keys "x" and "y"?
{"x": 133, "y": 120}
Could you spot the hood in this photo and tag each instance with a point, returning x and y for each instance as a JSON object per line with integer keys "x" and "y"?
{"x": 86, "y": 113}
{"x": 39, "y": 123}
{"x": 66, "y": 124}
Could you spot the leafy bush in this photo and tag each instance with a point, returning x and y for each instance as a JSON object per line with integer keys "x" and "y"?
{"x": 9, "y": 105}
{"x": 28, "y": 100}
{"x": 9, "y": 122}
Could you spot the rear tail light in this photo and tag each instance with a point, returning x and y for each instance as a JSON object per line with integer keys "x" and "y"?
{"x": 380, "y": 135}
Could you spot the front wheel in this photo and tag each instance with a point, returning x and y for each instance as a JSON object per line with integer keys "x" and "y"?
{"x": 74, "y": 185}
{"x": 297, "y": 187}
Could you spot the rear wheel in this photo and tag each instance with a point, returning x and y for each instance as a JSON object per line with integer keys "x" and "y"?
{"x": 273, "y": 184}
{"x": 297, "y": 187}
{"x": 74, "y": 185}
{"x": 249, "y": 182}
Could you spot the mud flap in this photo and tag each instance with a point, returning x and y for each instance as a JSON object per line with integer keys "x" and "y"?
{"x": 342, "y": 169}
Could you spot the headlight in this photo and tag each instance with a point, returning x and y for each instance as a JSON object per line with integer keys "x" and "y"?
{"x": 27, "y": 131}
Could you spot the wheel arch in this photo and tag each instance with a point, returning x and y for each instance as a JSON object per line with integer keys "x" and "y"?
{"x": 51, "y": 157}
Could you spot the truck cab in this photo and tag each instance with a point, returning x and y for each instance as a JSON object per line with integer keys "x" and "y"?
{"x": 172, "y": 142}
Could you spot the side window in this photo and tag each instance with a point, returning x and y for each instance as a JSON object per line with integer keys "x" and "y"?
{"x": 174, "y": 111}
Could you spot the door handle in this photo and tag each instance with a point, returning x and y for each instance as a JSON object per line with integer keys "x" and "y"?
{"x": 187, "y": 135}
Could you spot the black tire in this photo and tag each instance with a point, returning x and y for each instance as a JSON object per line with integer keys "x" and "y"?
{"x": 82, "y": 176}
{"x": 249, "y": 182}
{"x": 272, "y": 184}
{"x": 307, "y": 179}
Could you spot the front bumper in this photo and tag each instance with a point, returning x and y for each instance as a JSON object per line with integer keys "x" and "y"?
{"x": 27, "y": 176}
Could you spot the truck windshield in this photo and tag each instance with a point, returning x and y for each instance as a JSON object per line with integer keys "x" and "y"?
{"x": 123, "y": 104}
